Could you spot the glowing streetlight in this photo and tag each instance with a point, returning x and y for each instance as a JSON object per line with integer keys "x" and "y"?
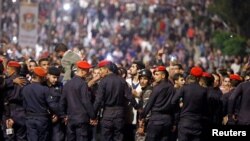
{"x": 66, "y": 6}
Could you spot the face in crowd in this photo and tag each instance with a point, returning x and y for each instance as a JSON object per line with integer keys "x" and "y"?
{"x": 53, "y": 79}
{"x": 133, "y": 69}
{"x": 158, "y": 76}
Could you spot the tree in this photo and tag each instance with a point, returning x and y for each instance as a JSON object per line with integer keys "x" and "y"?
{"x": 229, "y": 43}
{"x": 235, "y": 13}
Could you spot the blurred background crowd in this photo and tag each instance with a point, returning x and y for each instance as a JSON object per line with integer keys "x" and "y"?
{"x": 123, "y": 31}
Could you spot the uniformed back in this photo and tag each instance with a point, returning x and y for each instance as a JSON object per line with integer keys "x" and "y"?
{"x": 114, "y": 93}
{"x": 35, "y": 98}
{"x": 194, "y": 101}
{"x": 242, "y": 91}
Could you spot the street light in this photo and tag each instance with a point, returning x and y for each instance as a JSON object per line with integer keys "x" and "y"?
{"x": 66, "y": 6}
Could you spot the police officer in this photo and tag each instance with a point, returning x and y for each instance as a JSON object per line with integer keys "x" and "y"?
{"x": 214, "y": 99}
{"x": 243, "y": 115}
{"x": 55, "y": 88}
{"x": 1, "y": 96}
{"x": 194, "y": 107}
{"x": 14, "y": 114}
{"x": 112, "y": 94}
{"x": 76, "y": 104}
{"x": 159, "y": 103}
{"x": 37, "y": 107}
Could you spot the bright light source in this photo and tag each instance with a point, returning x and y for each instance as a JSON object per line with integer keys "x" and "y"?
{"x": 14, "y": 1}
{"x": 67, "y": 6}
{"x": 14, "y": 39}
{"x": 109, "y": 57}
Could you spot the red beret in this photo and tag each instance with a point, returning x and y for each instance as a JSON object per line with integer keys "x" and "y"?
{"x": 83, "y": 65}
{"x": 103, "y": 63}
{"x": 196, "y": 71}
{"x": 40, "y": 71}
{"x": 206, "y": 74}
{"x": 235, "y": 77}
{"x": 14, "y": 64}
{"x": 160, "y": 68}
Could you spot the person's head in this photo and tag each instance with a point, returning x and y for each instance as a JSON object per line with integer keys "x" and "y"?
{"x": 160, "y": 73}
{"x": 136, "y": 67}
{"x": 82, "y": 68}
{"x": 247, "y": 77}
{"x": 96, "y": 72}
{"x": 235, "y": 80}
{"x": 196, "y": 72}
{"x": 39, "y": 74}
{"x": 53, "y": 75}
{"x": 179, "y": 80}
{"x": 175, "y": 68}
{"x": 105, "y": 67}
{"x": 44, "y": 63}
{"x": 60, "y": 49}
{"x": 226, "y": 81}
{"x": 24, "y": 70}
{"x": 216, "y": 80}
{"x": 145, "y": 78}
{"x": 206, "y": 80}
{"x": 31, "y": 65}
{"x": 13, "y": 67}
{"x": 122, "y": 72}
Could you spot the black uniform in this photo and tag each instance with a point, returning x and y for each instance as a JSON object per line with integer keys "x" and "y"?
{"x": 37, "y": 106}
{"x": 1, "y": 105}
{"x": 76, "y": 104}
{"x": 159, "y": 104}
{"x": 215, "y": 106}
{"x": 58, "y": 128}
{"x": 242, "y": 90}
{"x": 113, "y": 93}
{"x": 13, "y": 108}
{"x": 193, "y": 111}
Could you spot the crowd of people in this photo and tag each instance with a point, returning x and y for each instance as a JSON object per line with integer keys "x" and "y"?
{"x": 119, "y": 70}
{"x": 123, "y": 31}
{"x": 107, "y": 102}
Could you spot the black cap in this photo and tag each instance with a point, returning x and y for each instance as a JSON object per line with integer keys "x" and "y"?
{"x": 54, "y": 71}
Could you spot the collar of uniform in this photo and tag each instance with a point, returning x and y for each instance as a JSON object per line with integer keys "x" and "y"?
{"x": 109, "y": 74}
{"x": 78, "y": 77}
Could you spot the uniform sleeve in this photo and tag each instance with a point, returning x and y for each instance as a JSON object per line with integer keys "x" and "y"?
{"x": 22, "y": 95}
{"x": 150, "y": 103}
{"x": 176, "y": 98}
{"x": 232, "y": 99}
{"x": 1, "y": 82}
{"x": 99, "y": 96}
{"x": 128, "y": 95}
{"x": 86, "y": 100}
{"x": 8, "y": 83}
{"x": 63, "y": 103}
